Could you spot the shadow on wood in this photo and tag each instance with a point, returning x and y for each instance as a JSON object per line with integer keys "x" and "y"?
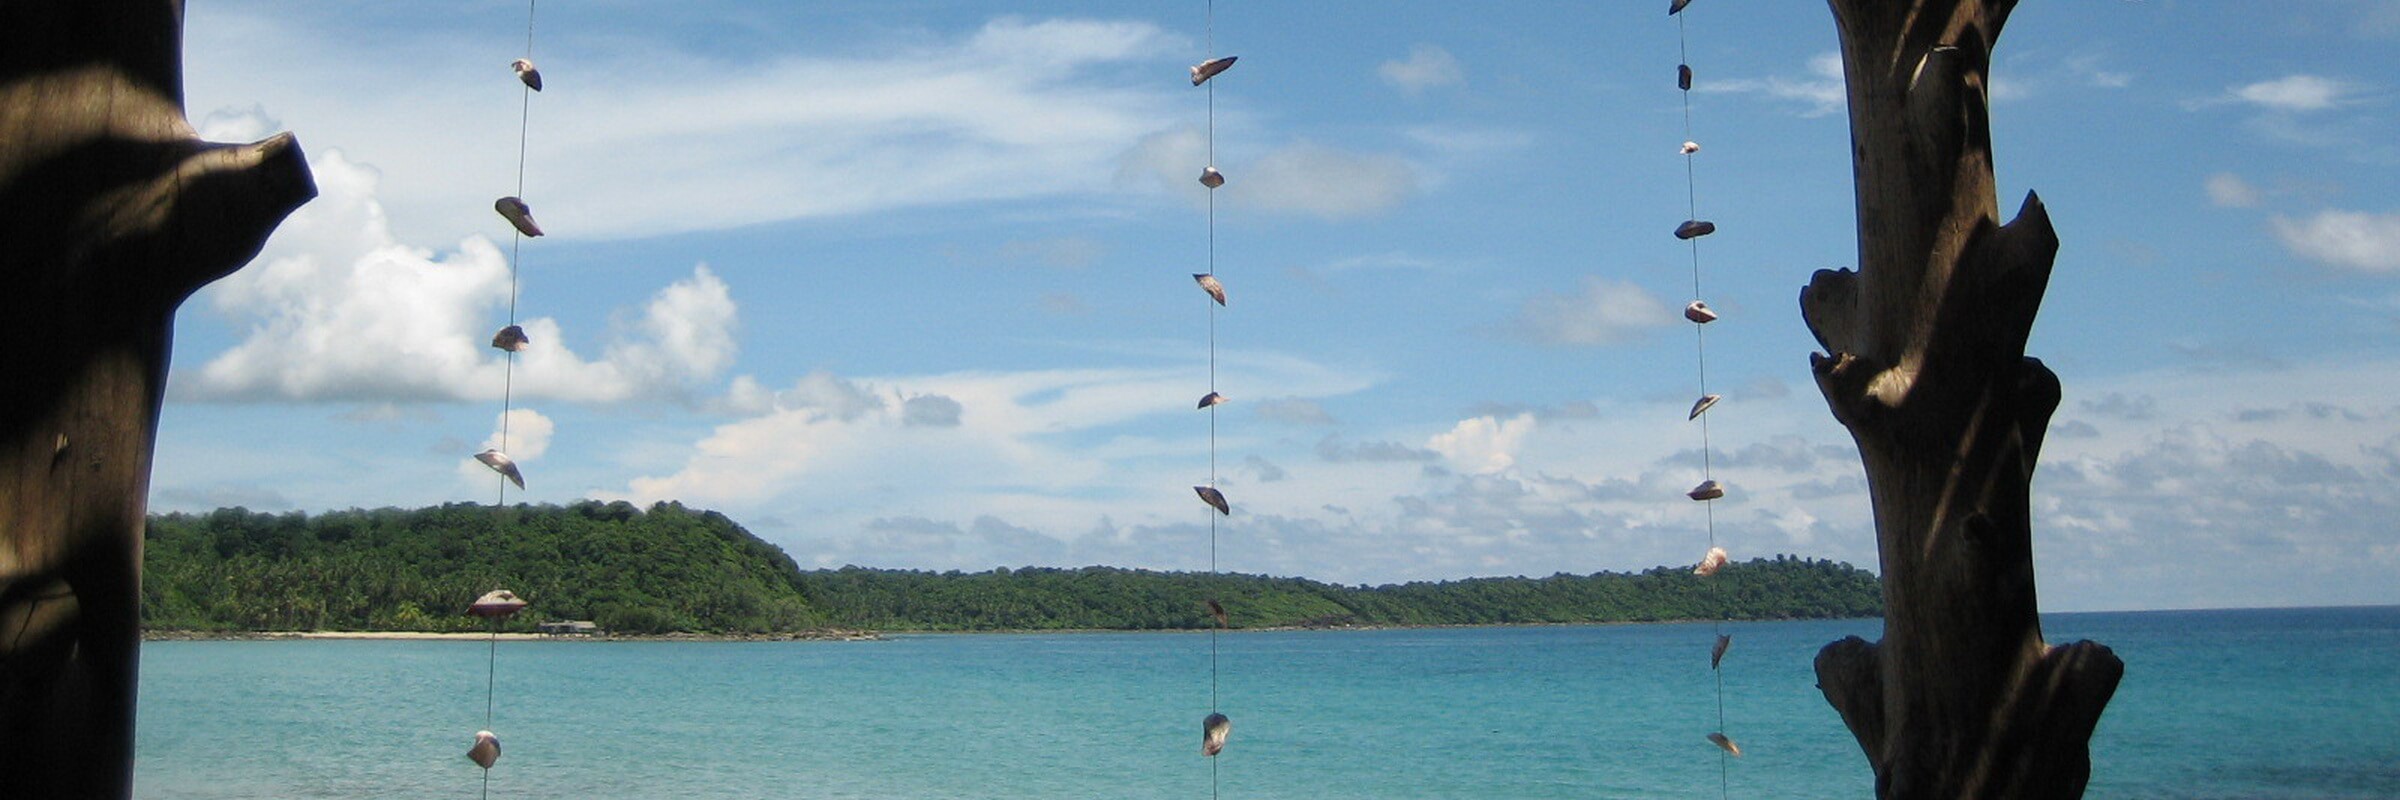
{"x": 1924, "y": 362}
{"x": 111, "y": 213}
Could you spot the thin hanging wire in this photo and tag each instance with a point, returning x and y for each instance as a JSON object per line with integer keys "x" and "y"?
{"x": 491, "y": 668}
{"x": 1700, "y": 357}
{"x": 508, "y": 368}
{"x": 1214, "y": 784}
{"x": 491, "y": 673}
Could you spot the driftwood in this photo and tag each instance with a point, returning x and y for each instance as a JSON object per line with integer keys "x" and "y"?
{"x": 1924, "y": 362}
{"x": 111, "y": 213}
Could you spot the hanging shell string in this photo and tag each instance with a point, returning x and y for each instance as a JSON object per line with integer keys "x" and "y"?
{"x": 516, "y": 241}
{"x": 510, "y": 340}
{"x": 1213, "y": 786}
{"x": 1691, "y": 231}
{"x": 1215, "y": 727}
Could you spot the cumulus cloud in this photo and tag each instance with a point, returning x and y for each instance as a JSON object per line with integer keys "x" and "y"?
{"x": 1605, "y": 312}
{"x": 1821, "y": 90}
{"x": 2228, "y": 190}
{"x": 1428, "y": 66}
{"x": 338, "y": 310}
{"x": 522, "y": 433}
{"x": 1302, "y": 176}
{"x": 1483, "y": 445}
{"x": 2354, "y": 240}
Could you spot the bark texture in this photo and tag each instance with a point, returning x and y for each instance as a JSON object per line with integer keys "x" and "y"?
{"x": 111, "y": 212}
{"x": 1924, "y": 362}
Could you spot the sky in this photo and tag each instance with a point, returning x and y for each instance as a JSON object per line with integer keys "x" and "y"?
{"x": 906, "y": 283}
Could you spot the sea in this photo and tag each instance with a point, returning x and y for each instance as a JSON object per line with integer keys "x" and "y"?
{"x": 2281, "y": 703}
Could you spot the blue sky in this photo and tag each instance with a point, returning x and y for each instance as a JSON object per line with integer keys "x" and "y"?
{"x": 906, "y": 284}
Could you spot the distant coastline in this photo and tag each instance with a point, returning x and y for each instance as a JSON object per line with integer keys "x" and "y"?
{"x": 824, "y": 635}
{"x": 672, "y": 572}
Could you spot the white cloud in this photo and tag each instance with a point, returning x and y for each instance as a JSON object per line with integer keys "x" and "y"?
{"x": 2354, "y": 240}
{"x": 1334, "y": 448}
{"x": 1303, "y": 177}
{"x": 1044, "y": 447}
{"x": 1331, "y": 182}
{"x": 2229, "y": 191}
{"x": 522, "y": 433}
{"x": 2294, "y": 93}
{"x": 1483, "y": 445}
{"x": 691, "y": 140}
{"x": 1605, "y": 312}
{"x": 337, "y": 309}
{"x": 1428, "y": 66}
{"x": 1821, "y": 90}
{"x": 1294, "y": 410}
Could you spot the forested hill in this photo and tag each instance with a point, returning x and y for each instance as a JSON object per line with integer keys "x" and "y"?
{"x": 669, "y": 569}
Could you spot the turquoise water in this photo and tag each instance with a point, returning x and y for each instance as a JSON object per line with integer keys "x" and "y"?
{"x": 2224, "y": 704}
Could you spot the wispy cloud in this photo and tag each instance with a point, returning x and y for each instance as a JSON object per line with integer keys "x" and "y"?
{"x": 1428, "y": 66}
{"x": 1820, "y": 89}
{"x": 1301, "y": 176}
{"x": 1041, "y": 442}
{"x": 2353, "y": 240}
{"x": 1603, "y": 312}
{"x": 2228, "y": 190}
{"x": 2294, "y": 93}
{"x": 1016, "y": 109}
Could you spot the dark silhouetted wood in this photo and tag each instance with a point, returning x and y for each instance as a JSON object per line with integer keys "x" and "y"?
{"x": 1924, "y": 361}
{"x": 111, "y": 213}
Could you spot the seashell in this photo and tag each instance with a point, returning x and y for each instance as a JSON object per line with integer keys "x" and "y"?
{"x": 1694, "y": 229}
{"x": 1212, "y": 399}
{"x": 518, "y": 214}
{"x": 1211, "y": 178}
{"x": 1699, "y": 312}
{"x": 1215, "y": 499}
{"x": 1210, "y": 68}
{"x": 1709, "y": 564}
{"x": 1726, "y": 743}
{"x": 1208, "y": 282}
{"x": 511, "y": 339}
{"x": 525, "y": 72}
{"x": 1702, "y": 405}
{"x": 500, "y": 463}
{"x": 486, "y": 750}
{"x": 496, "y": 603}
{"x": 1716, "y": 655}
{"x": 1213, "y": 731}
{"x": 1707, "y": 490}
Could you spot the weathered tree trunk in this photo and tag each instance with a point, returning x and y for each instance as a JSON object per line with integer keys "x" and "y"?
{"x": 1925, "y": 363}
{"x": 111, "y": 213}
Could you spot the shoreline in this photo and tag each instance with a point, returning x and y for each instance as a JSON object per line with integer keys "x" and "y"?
{"x": 822, "y": 635}
{"x": 858, "y": 635}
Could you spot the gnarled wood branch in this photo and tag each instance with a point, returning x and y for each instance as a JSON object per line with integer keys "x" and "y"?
{"x": 1924, "y": 362}
{"x": 111, "y": 213}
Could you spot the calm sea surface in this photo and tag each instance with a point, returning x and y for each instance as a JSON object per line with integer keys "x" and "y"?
{"x": 2215, "y": 704}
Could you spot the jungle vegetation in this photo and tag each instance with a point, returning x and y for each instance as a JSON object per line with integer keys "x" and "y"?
{"x": 668, "y": 569}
